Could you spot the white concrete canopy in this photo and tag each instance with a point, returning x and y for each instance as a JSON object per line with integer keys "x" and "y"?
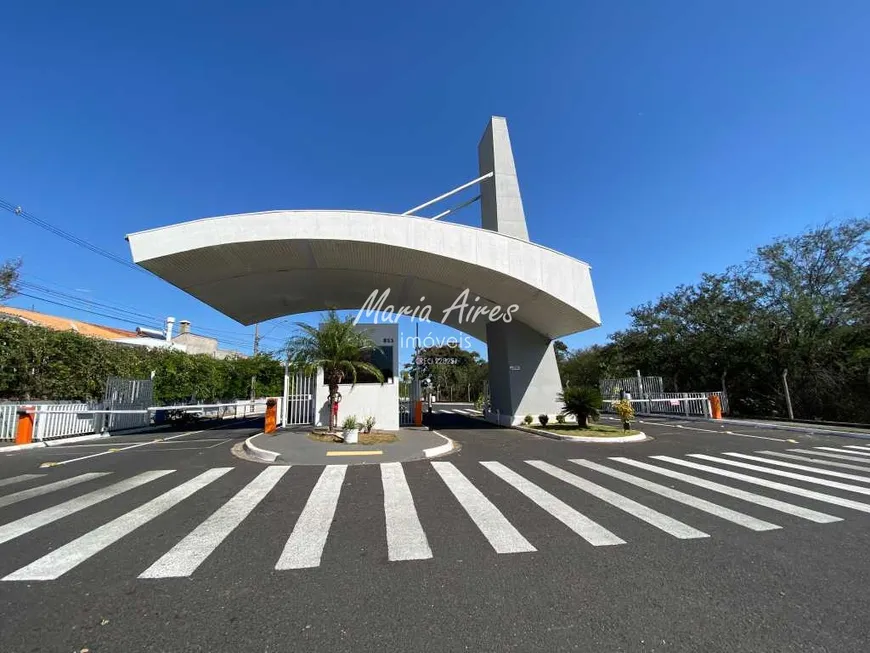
{"x": 257, "y": 266}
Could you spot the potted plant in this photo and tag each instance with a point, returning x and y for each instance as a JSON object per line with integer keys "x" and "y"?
{"x": 369, "y": 424}
{"x": 350, "y": 430}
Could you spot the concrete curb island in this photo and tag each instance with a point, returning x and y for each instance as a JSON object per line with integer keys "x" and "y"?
{"x": 637, "y": 437}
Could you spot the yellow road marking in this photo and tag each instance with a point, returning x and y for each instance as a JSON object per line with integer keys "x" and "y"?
{"x": 354, "y": 453}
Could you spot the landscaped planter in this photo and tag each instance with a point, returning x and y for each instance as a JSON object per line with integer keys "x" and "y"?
{"x": 350, "y": 436}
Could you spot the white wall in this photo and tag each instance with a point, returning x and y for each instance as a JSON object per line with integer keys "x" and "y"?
{"x": 362, "y": 400}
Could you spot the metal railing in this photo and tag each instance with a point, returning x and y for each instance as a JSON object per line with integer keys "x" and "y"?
{"x": 688, "y": 404}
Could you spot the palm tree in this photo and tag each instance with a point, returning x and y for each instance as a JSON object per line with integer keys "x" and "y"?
{"x": 337, "y": 347}
{"x": 582, "y": 403}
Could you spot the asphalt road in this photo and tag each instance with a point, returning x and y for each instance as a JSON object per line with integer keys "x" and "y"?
{"x": 445, "y": 555}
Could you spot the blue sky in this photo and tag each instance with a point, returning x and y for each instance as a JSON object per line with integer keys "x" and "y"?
{"x": 654, "y": 140}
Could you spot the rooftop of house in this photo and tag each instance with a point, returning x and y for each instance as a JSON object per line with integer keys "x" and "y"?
{"x": 64, "y": 323}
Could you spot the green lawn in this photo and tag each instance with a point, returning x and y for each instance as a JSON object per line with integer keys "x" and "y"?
{"x": 594, "y": 430}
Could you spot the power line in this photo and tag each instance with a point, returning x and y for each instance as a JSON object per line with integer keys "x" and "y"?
{"x": 39, "y": 222}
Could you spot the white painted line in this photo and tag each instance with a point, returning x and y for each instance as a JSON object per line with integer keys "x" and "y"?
{"x": 305, "y": 545}
{"x": 31, "y": 522}
{"x": 758, "y": 499}
{"x": 857, "y": 489}
{"x": 709, "y": 507}
{"x": 19, "y": 479}
{"x": 405, "y": 537}
{"x": 652, "y": 517}
{"x": 15, "y": 497}
{"x": 740, "y": 435}
{"x": 856, "y": 446}
{"x": 836, "y": 456}
{"x": 774, "y": 485}
{"x": 186, "y": 556}
{"x": 848, "y": 451}
{"x": 502, "y": 535}
{"x": 816, "y": 461}
{"x": 590, "y": 531}
{"x": 806, "y": 468}
{"x": 58, "y": 562}
{"x": 132, "y": 446}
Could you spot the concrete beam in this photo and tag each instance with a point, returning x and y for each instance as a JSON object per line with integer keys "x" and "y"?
{"x": 501, "y": 206}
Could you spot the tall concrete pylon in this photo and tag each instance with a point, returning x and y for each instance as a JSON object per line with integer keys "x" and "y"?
{"x": 523, "y": 374}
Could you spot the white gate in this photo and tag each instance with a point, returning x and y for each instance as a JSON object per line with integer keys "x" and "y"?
{"x": 128, "y": 394}
{"x": 300, "y": 400}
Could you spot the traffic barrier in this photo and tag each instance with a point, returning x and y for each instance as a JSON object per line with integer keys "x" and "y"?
{"x": 24, "y": 431}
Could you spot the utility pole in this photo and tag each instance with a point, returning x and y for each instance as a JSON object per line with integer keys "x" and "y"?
{"x": 256, "y": 347}
{"x": 787, "y": 395}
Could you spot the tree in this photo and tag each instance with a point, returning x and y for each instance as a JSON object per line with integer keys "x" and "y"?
{"x": 582, "y": 403}
{"x": 9, "y": 272}
{"x": 336, "y": 347}
{"x": 452, "y": 369}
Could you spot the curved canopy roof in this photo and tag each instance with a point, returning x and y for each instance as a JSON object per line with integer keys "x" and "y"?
{"x": 257, "y": 266}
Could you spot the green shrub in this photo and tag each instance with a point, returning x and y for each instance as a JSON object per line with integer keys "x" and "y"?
{"x": 560, "y": 418}
{"x": 581, "y": 402}
{"x": 528, "y": 419}
{"x": 543, "y": 419}
{"x": 349, "y": 423}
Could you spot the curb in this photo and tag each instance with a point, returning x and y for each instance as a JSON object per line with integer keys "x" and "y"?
{"x": 260, "y": 454}
{"x": 637, "y": 437}
{"x": 448, "y": 446}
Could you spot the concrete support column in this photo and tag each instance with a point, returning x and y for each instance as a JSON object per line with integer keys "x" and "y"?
{"x": 523, "y": 375}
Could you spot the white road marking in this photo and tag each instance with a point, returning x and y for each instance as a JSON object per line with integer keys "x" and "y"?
{"x": 405, "y": 537}
{"x": 15, "y": 497}
{"x": 501, "y": 534}
{"x": 758, "y": 499}
{"x": 709, "y": 507}
{"x": 837, "y": 456}
{"x": 774, "y": 485}
{"x": 806, "y": 468}
{"x": 740, "y": 435}
{"x": 305, "y": 545}
{"x": 58, "y": 562}
{"x": 132, "y": 446}
{"x": 652, "y": 517}
{"x": 815, "y": 461}
{"x": 19, "y": 479}
{"x": 590, "y": 531}
{"x": 186, "y": 556}
{"x": 856, "y": 446}
{"x": 31, "y": 522}
{"x": 857, "y": 489}
{"x": 851, "y": 452}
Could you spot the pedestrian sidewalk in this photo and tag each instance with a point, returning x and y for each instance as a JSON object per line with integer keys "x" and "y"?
{"x": 292, "y": 445}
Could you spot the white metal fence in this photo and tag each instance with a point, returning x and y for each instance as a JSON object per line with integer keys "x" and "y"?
{"x": 128, "y": 394}
{"x": 688, "y": 404}
{"x": 52, "y": 420}
{"x": 300, "y": 400}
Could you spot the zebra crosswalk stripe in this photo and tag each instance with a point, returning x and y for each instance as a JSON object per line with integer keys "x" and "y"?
{"x": 60, "y": 561}
{"x": 305, "y": 545}
{"x": 837, "y": 456}
{"x": 31, "y": 522}
{"x": 851, "y": 452}
{"x": 15, "y": 497}
{"x": 406, "y": 539}
{"x": 737, "y": 493}
{"x": 19, "y": 479}
{"x": 589, "y": 530}
{"x": 774, "y": 485}
{"x": 709, "y": 507}
{"x": 805, "y": 468}
{"x": 652, "y": 517}
{"x": 857, "y": 489}
{"x": 500, "y": 533}
{"x": 815, "y": 461}
{"x": 857, "y": 446}
{"x": 186, "y": 556}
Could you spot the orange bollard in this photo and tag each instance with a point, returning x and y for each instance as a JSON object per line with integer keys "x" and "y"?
{"x": 271, "y": 416}
{"x": 418, "y": 413}
{"x": 715, "y": 407}
{"x": 24, "y": 432}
